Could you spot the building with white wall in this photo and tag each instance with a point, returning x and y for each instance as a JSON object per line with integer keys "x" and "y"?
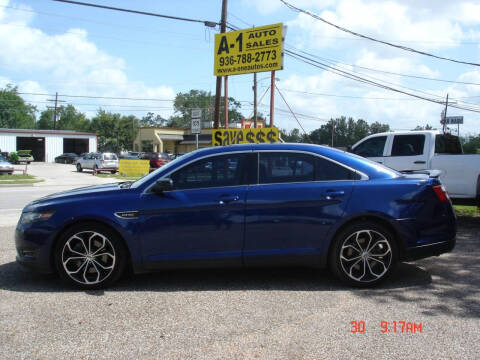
{"x": 47, "y": 144}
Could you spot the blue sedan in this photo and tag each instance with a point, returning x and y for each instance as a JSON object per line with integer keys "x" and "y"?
{"x": 242, "y": 205}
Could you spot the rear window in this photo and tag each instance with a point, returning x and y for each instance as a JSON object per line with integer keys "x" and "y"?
{"x": 447, "y": 144}
{"x": 109, "y": 157}
{"x": 408, "y": 145}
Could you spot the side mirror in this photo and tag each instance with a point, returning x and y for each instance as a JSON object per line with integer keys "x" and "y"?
{"x": 349, "y": 148}
{"x": 162, "y": 185}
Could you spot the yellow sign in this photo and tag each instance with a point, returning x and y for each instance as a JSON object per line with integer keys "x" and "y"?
{"x": 244, "y": 136}
{"x": 134, "y": 167}
{"x": 249, "y": 50}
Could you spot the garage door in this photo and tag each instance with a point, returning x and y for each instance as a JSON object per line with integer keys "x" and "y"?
{"x": 77, "y": 146}
{"x": 35, "y": 144}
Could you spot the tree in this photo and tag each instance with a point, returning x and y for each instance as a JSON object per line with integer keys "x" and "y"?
{"x": 470, "y": 144}
{"x": 185, "y": 102}
{"x": 420, "y": 128}
{"x": 293, "y": 136}
{"x": 115, "y": 132}
{"x": 345, "y": 132}
{"x": 14, "y": 113}
{"x": 153, "y": 120}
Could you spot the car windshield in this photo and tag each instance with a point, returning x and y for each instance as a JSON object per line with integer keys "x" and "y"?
{"x": 147, "y": 178}
{"x": 2, "y": 158}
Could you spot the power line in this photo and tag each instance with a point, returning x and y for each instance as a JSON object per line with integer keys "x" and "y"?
{"x": 204, "y": 22}
{"x": 385, "y": 72}
{"x": 294, "y": 8}
{"x": 351, "y": 76}
{"x": 135, "y": 28}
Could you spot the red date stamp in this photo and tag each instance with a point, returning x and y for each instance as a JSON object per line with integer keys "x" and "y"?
{"x": 402, "y": 327}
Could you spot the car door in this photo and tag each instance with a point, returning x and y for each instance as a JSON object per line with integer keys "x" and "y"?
{"x": 409, "y": 152}
{"x": 201, "y": 222}
{"x": 372, "y": 148}
{"x": 298, "y": 198}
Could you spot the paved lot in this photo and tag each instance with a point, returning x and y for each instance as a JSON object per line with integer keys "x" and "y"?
{"x": 238, "y": 314}
{"x": 58, "y": 177}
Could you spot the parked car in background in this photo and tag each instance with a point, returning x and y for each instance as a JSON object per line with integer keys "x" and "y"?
{"x": 5, "y": 166}
{"x": 24, "y": 156}
{"x": 98, "y": 162}
{"x": 242, "y": 206}
{"x": 129, "y": 155}
{"x": 427, "y": 150}
{"x": 156, "y": 159}
{"x": 67, "y": 158}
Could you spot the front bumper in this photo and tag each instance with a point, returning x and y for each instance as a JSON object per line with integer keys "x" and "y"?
{"x": 33, "y": 248}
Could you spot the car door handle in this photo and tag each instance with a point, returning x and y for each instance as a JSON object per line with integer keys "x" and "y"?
{"x": 225, "y": 199}
{"x": 419, "y": 162}
{"x": 380, "y": 162}
{"x": 333, "y": 194}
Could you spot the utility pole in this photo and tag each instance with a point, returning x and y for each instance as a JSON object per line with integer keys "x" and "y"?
{"x": 226, "y": 101}
{"x": 255, "y": 100}
{"x": 218, "y": 90}
{"x": 333, "y": 130}
{"x": 55, "y": 109}
{"x": 133, "y": 134}
{"x": 272, "y": 97}
{"x": 445, "y": 116}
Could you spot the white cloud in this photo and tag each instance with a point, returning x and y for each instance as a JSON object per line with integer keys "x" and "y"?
{"x": 386, "y": 20}
{"x": 71, "y": 60}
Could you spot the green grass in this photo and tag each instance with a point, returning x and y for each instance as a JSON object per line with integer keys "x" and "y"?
{"x": 118, "y": 176}
{"x": 18, "y": 179}
{"x": 464, "y": 210}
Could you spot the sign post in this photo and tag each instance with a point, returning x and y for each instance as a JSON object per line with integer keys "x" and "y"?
{"x": 196, "y": 124}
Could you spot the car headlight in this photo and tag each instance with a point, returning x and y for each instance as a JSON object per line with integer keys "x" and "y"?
{"x": 28, "y": 217}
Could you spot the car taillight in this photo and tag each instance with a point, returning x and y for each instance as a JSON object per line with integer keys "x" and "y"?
{"x": 441, "y": 193}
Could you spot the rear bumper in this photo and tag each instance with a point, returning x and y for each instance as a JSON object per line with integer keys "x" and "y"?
{"x": 424, "y": 251}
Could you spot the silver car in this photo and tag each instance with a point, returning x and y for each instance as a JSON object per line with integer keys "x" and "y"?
{"x": 5, "y": 166}
{"x": 98, "y": 162}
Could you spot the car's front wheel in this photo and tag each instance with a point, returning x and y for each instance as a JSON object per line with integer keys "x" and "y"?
{"x": 90, "y": 256}
{"x": 79, "y": 168}
{"x": 363, "y": 254}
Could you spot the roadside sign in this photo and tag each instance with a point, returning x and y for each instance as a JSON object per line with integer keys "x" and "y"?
{"x": 250, "y": 50}
{"x": 454, "y": 120}
{"x": 222, "y": 137}
{"x": 133, "y": 167}
{"x": 196, "y": 113}
{"x": 196, "y": 127}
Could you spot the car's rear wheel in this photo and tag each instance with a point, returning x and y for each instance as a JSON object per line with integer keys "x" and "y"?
{"x": 90, "y": 256}
{"x": 113, "y": 171}
{"x": 363, "y": 254}
{"x": 79, "y": 168}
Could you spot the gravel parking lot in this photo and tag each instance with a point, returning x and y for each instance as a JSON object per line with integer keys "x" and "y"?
{"x": 245, "y": 314}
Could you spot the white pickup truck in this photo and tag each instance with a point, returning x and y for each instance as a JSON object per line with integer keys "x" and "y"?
{"x": 427, "y": 150}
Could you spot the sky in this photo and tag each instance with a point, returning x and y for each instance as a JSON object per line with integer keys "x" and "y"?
{"x": 48, "y": 47}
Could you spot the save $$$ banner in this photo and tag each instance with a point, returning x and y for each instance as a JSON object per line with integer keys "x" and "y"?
{"x": 222, "y": 137}
{"x": 249, "y": 50}
{"x": 133, "y": 167}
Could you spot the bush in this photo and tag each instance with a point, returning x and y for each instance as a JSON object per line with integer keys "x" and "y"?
{"x": 13, "y": 158}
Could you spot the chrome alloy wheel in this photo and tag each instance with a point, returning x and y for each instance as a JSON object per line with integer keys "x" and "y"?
{"x": 365, "y": 256}
{"x": 88, "y": 257}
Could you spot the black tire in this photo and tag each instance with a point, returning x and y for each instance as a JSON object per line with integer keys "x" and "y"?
{"x": 79, "y": 168}
{"x": 350, "y": 261}
{"x": 113, "y": 171}
{"x": 103, "y": 270}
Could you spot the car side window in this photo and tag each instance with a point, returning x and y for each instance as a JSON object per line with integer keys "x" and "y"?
{"x": 215, "y": 171}
{"x": 372, "y": 147}
{"x": 279, "y": 167}
{"x": 408, "y": 145}
{"x": 330, "y": 171}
